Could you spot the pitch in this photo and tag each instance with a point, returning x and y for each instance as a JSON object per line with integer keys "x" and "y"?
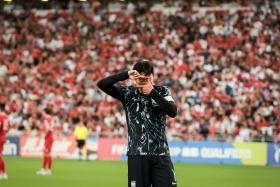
{"x": 74, "y": 173}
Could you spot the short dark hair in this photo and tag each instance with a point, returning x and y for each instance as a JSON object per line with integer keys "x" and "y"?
{"x": 144, "y": 66}
{"x": 48, "y": 111}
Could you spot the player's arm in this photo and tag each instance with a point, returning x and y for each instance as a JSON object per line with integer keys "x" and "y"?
{"x": 108, "y": 84}
{"x": 75, "y": 132}
{"x": 5, "y": 123}
{"x": 86, "y": 132}
{"x": 166, "y": 104}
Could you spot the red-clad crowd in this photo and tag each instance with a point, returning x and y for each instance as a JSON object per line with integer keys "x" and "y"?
{"x": 221, "y": 62}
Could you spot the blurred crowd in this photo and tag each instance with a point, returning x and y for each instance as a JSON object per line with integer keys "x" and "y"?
{"x": 222, "y": 65}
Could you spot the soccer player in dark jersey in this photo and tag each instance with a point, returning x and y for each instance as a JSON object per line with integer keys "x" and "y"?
{"x": 146, "y": 106}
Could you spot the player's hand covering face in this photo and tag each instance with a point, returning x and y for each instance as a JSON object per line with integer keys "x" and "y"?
{"x": 133, "y": 74}
{"x": 142, "y": 82}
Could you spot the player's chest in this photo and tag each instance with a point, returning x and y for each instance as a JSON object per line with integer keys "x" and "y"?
{"x": 139, "y": 103}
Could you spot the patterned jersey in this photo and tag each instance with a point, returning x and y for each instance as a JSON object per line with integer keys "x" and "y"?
{"x": 146, "y": 122}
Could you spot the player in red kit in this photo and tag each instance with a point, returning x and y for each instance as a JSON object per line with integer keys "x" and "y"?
{"x": 3, "y": 131}
{"x": 47, "y": 159}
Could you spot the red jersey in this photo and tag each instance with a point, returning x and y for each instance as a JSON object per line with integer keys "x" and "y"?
{"x": 48, "y": 140}
{"x": 48, "y": 122}
{"x": 47, "y": 126}
{"x": 3, "y": 130}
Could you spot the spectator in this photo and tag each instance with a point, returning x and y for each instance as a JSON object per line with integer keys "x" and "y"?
{"x": 223, "y": 65}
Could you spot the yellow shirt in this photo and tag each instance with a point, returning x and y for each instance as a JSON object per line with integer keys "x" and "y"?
{"x": 80, "y": 132}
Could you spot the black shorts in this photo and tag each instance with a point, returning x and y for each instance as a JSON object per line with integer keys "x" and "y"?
{"x": 80, "y": 143}
{"x": 144, "y": 171}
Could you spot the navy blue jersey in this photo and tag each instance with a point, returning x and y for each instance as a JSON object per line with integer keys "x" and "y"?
{"x": 146, "y": 122}
{"x": 145, "y": 114}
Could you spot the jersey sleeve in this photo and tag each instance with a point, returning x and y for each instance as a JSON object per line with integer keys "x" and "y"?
{"x": 167, "y": 94}
{"x": 109, "y": 86}
{"x": 123, "y": 91}
{"x": 163, "y": 99}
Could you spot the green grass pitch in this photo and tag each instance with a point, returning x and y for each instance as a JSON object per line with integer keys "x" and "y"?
{"x": 74, "y": 173}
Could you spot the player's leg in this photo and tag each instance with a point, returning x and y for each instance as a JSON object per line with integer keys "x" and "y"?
{"x": 84, "y": 151}
{"x": 3, "y": 174}
{"x": 163, "y": 174}
{"x": 50, "y": 162}
{"x": 139, "y": 174}
{"x": 2, "y": 166}
{"x": 48, "y": 165}
{"x": 79, "y": 145}
{"x": 45, "y": 159}
{"x": 42, "y": 171}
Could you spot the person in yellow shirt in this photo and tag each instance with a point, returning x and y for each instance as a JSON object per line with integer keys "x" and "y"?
{"x": 81, "y": 134}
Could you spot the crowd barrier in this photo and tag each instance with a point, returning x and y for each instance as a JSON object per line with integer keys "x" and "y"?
{"x": 11, "y": 146}
{"x": 32, "y": 146}
{"x": 202, "y": 152}
{"x": 181, "y": 151}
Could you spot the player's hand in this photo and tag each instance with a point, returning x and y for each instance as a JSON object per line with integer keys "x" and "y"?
{"x": 133, "y": 74}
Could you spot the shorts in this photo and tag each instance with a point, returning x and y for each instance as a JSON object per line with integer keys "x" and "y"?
{"x": 144, "y": 171}
{"x": 47, "y": 149}
{"x": 80, "y": 143}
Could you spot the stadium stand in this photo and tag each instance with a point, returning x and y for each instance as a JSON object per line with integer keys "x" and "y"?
{"x": 221, "y": 61}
